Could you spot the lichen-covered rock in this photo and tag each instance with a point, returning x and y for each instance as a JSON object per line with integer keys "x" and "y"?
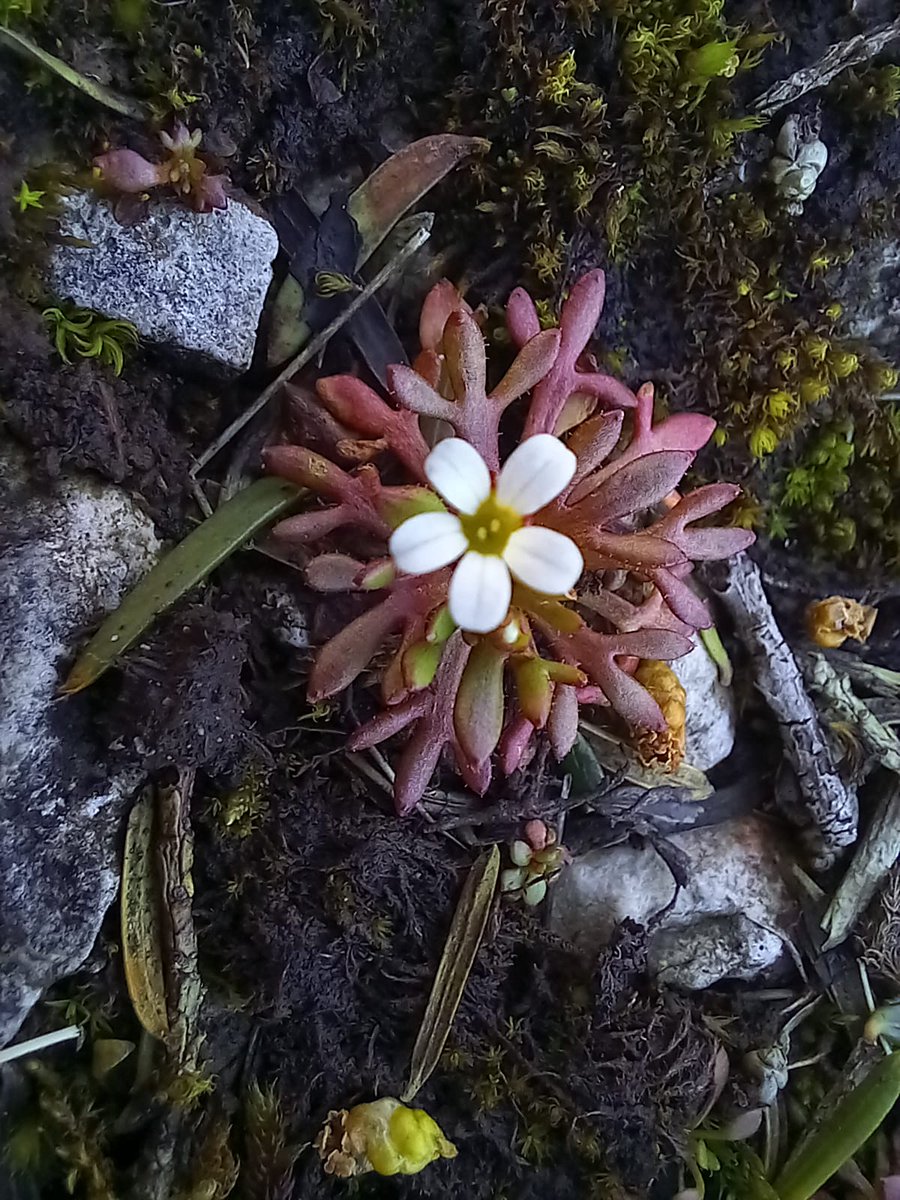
{"x": 192, "y": 282}
{"x": 725, "y": 922}
{"x": 66, "y": 557}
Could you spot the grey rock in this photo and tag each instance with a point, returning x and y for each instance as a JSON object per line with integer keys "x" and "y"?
{"x": 869, "y": 289}
{"x": 728, "y": 922}
{"x": 66, "y": 557}
{"x": 710, "y": 711}
{"x": 192, "y": 282}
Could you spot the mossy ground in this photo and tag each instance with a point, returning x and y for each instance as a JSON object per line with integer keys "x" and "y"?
{"x": 616, "y": 132}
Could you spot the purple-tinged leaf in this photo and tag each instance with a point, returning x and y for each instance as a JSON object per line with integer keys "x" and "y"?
{"x": 591, "y": 443}
{"x": 334, "y": 573}
{"x": 414, "y": 393}
{"x": 348, "y": 653}
{"x": 638, "y": 485}
{"x": 522, "y": 318}
{"x": 530, "y": 365}
{"x": 465, "y": 358}
{"x": 681, "y": 599}
{"x": 562, "y": 726}
{"x": 636, "y": 551}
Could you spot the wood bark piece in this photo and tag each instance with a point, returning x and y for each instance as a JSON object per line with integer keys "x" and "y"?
{"x": 828, "y": 807}
{"x": 819, "y": 74}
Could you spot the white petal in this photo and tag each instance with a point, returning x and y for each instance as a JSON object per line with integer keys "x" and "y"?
{"x": 427, "y": 542}
{"x": 535, "y": 473}
{"x": 459, "y": 474}
{"x": 544, "y": 560}
{"x": 480, "y": 592}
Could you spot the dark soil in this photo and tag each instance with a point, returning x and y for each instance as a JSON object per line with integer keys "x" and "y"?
{"x": 321, "y": 927}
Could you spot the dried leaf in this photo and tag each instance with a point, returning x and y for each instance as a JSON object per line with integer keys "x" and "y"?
{"x": 141, "y": 946}
{"x": 460, "y": 949}
{"x": 382, "y": 199}
{"x": 124, "y": 105}
{"x": 287, "y": 329}
{"x": 188, "y": 564}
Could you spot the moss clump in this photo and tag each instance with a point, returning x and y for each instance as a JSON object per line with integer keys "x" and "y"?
{"x": 83, "y": 333}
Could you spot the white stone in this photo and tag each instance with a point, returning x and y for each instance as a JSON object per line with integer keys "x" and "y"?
{"x": 66, "y": 558}
{"x": 726, "y": 923}
{"x": 710, "y": 711}
{"x": 193, "y": 282}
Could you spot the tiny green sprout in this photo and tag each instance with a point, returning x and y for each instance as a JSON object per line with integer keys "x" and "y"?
{"x": 27, "y": 197}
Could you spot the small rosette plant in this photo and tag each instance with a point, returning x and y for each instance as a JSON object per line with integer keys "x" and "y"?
{"x": 509, "y": 591}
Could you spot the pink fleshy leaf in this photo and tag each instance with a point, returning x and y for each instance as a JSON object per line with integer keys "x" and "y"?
{"x": 704, "y": 543}
{"x": 340, "y": 661}
{"x": 522, "y": 318}
{"x": 476, "y": 776}
{"x": 307, "y": 469}
{"x": 890, "y": 1187}
{"x": 635, "y": 551}
{"x": 637, "y": 485}
{"x": 683, "y": 431}
{"x": 591, "y": 443}
{"x": 478, "y": 712}
{"x": 578, "y": 319}
{"x": 417, "y": 395}
{"x": 310, "y": 526}
{"x": 129, "y": 172}
{"x": 465, "y": 358}
{"x": 531, "y": 364}
{"x": 334, "y": 573}
{"x": 562, "y": 727}
{"x": 516, "y": 744}
{"x": 434, "y": 730}
{"x": 681, "y": 599}
{"x": 441, "y": 301}
{"x": 357, "y": 405}
{"x": 597, "y": 653}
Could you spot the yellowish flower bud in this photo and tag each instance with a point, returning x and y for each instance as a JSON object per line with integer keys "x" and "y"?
{"x": 830, "y": 622}
{"x": 383, "y": 1136}
{"x": 665, "y": 751}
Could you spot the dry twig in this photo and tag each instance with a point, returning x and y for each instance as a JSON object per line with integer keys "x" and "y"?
{"x": 830, "y": 809}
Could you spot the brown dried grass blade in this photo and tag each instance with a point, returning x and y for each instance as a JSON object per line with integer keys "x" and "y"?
{"x": 463, "y": 940}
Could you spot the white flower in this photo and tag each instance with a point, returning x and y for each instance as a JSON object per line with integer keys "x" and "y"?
{"x": 490, "y": 535}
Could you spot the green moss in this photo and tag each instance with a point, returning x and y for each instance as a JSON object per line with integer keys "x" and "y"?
{"x": 83, "y": 333}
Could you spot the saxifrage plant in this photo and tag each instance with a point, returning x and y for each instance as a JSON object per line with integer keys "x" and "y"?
{"x": 519, "y": 591}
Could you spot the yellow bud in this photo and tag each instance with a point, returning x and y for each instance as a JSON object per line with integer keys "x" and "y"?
{"x": 830, "y": 622}
{"x": 383, "y": 1136}
{"x": 833, "y": 311}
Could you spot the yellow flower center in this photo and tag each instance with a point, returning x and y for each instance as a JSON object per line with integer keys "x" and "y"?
{"x": 488, "y": 529}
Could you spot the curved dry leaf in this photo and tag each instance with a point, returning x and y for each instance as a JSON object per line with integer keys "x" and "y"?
{"x": 460, "y": 949}
{"x": 141, "y": 946}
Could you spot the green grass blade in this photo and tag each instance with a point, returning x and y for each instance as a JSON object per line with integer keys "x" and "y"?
{"x": 182, "y": 568}
{"x": 124, "y": 105}
{"x": 851, "y": 1122}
